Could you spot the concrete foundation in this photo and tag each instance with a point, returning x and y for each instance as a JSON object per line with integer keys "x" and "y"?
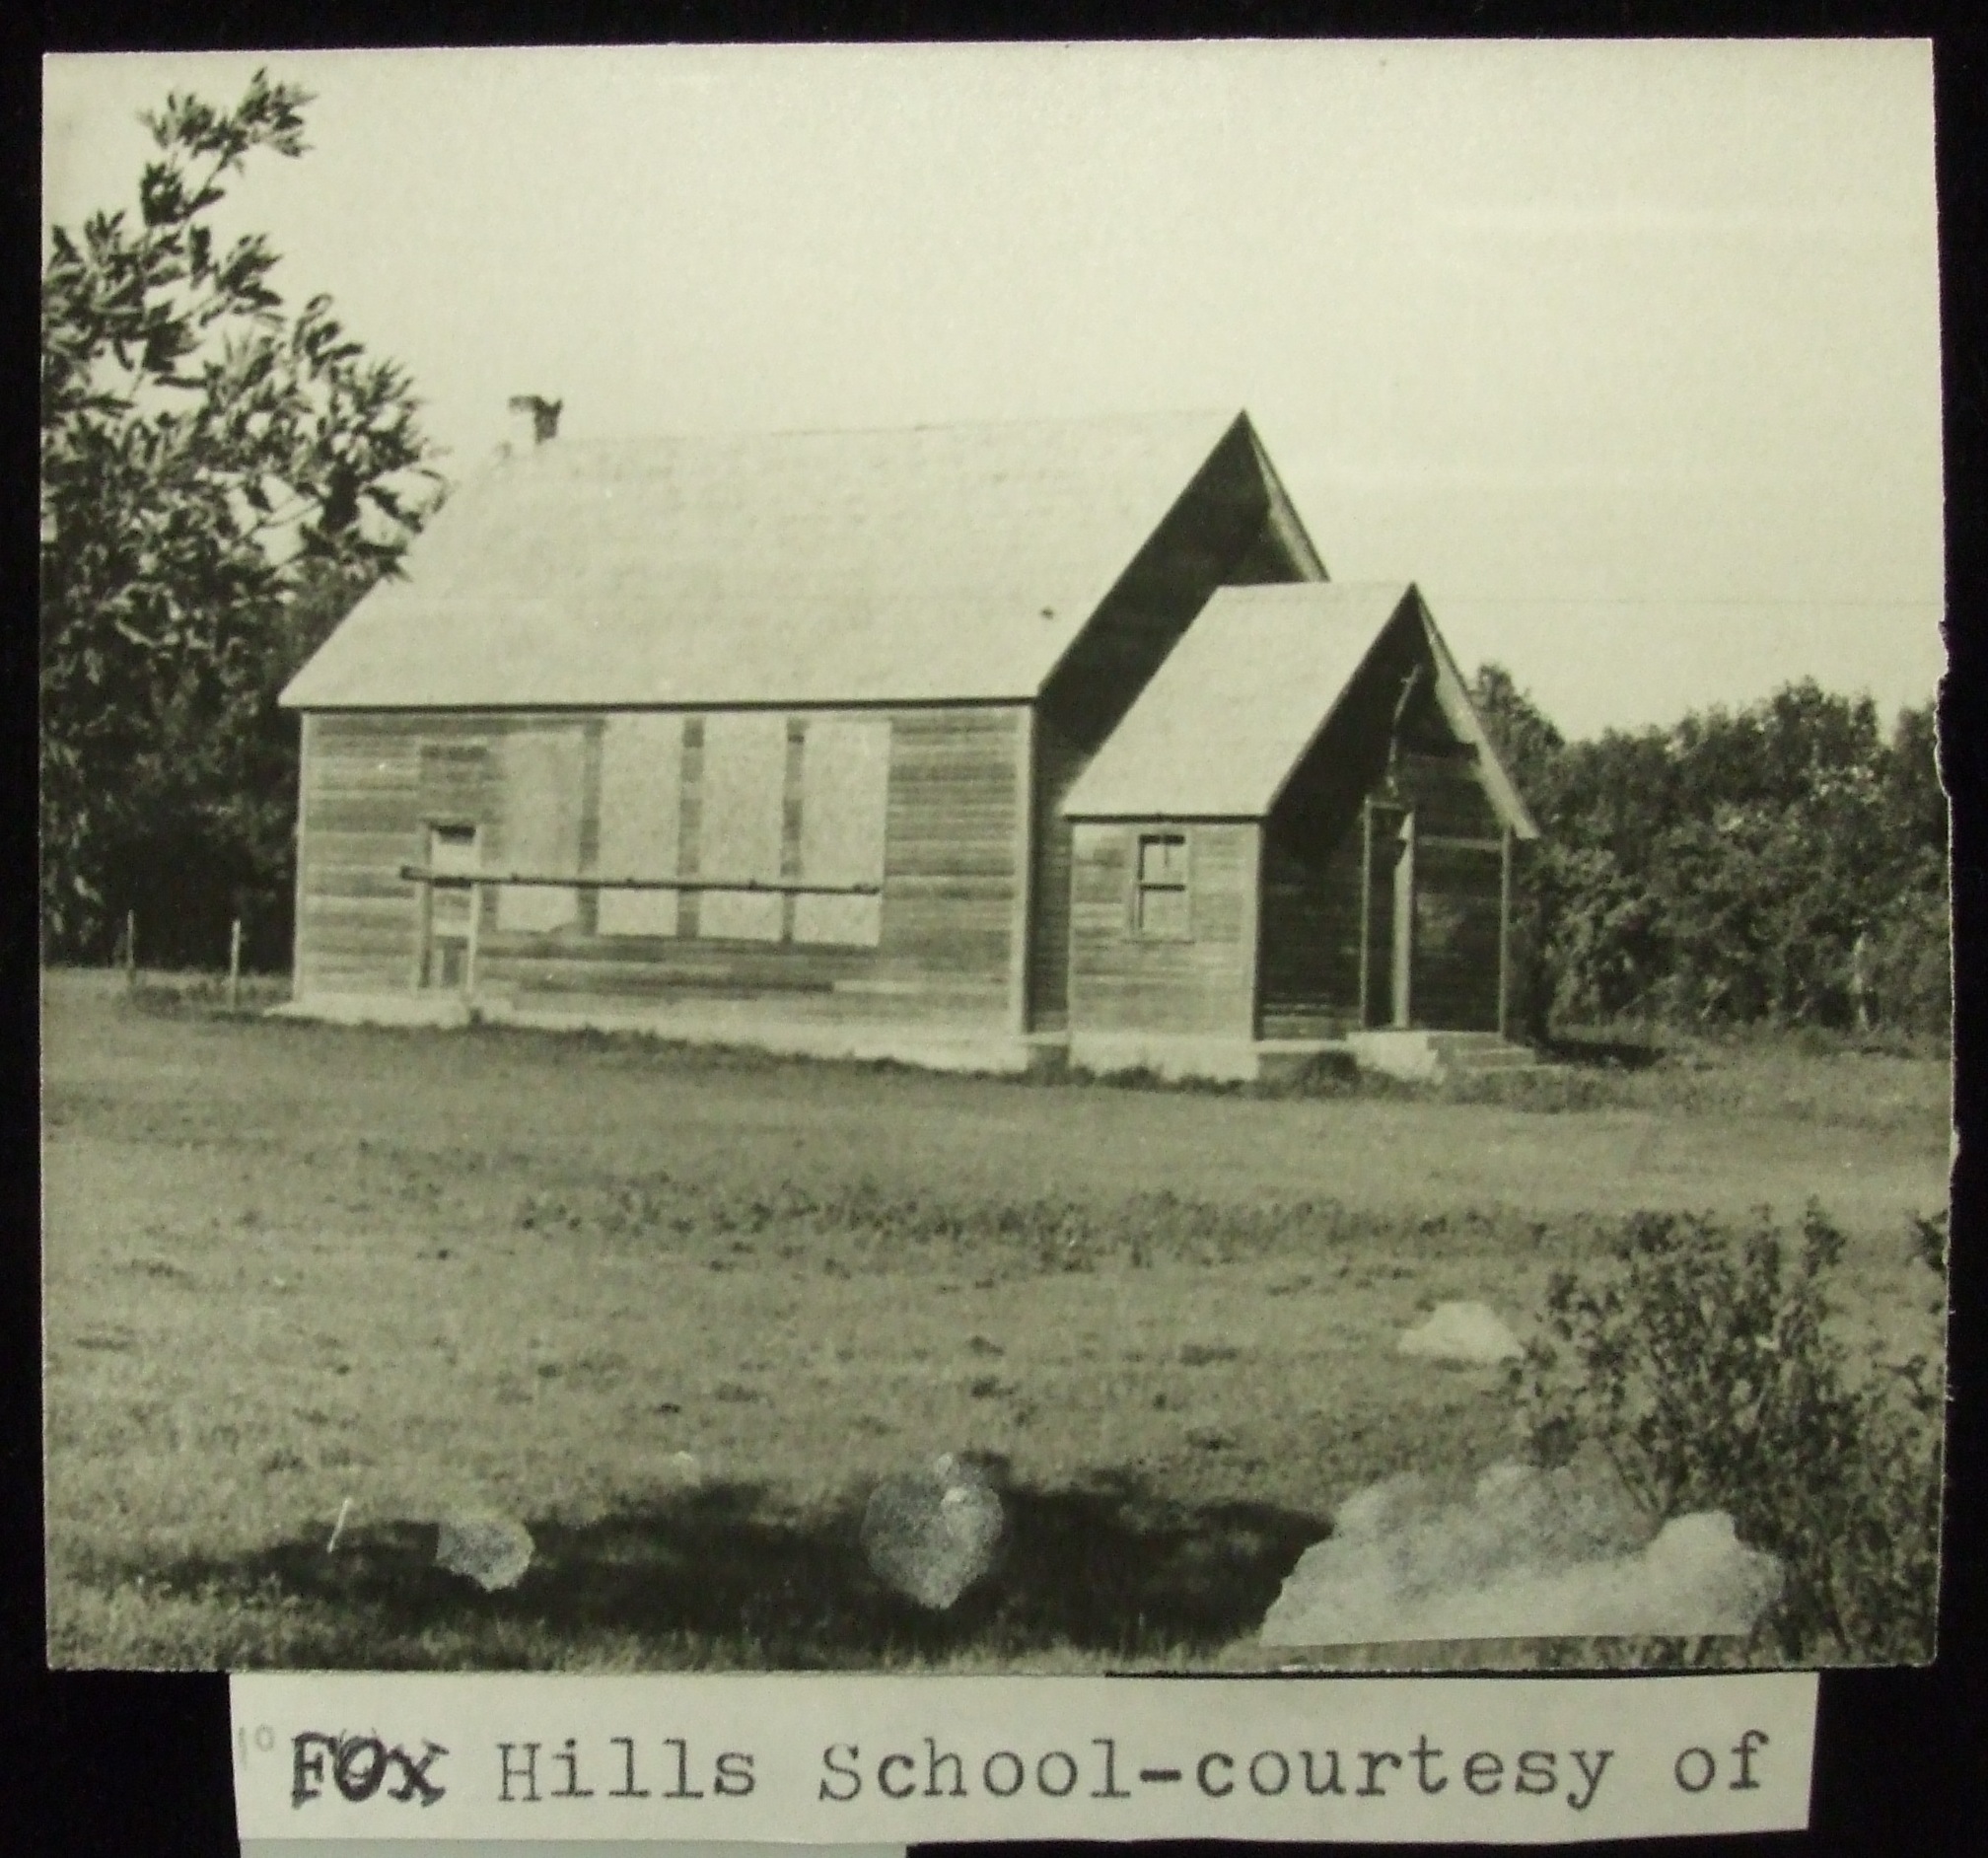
{"x": 1419, "y": 1057}
{"x": 933, "y": 1048}
{"x": 1168, "y": 1056}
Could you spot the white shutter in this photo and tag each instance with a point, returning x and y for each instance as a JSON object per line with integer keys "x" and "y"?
{"x": 845, "y": 779}
{"x": 542, "y": 774}
{"x": 641, "y": 807}
{"x": 742, "y": 805}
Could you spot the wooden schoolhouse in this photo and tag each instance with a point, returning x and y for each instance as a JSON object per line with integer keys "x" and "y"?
{"x": 977, "y": 747}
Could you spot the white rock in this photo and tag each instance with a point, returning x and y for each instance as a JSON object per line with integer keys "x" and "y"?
{"x": 1468, "y": 1332}
{"x": 492, "y": 1550}
{"x": 1529, "y": 1555}
{"x": 931, "y": 1533}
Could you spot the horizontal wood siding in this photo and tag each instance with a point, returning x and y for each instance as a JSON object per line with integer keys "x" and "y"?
{"x": 949, "y": 866}
{"x": 1203, "y": 983}
{"x": 950, "y": 884}
{"x": 1058, "y": 762}
{"x": 1456, "y": 939}
{"x": 1447, "y": 796}
{"x": 369, "y": 784}
{"x": 1311, "y": 952}
{"x": 1457, "y": 889}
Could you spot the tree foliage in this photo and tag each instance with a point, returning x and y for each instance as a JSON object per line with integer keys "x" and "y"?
{"x": 221, "y": 476}
{"x": 1783, "y": 863}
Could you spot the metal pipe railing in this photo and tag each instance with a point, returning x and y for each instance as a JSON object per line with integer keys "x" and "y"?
{"x": 777, "y": 887}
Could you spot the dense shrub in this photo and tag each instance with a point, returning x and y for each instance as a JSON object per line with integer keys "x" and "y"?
{"x": 1783, "y": 863}
{"x": 1910, "y": 963}
{"x": 1701, "y": 1361}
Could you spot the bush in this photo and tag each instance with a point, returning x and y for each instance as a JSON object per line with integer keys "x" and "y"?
{"x": 1700, "y": 1362}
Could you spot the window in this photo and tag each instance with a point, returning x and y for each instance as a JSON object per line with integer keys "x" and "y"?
{"x": 1160, "y": 887}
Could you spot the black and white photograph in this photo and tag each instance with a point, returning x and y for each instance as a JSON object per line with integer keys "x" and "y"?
{"x": 1002, "y": 859}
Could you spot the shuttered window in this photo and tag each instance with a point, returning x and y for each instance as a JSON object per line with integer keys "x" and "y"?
{"x": 544, "y": 772}
{"x": 845, "y": 777}
{"x": 742, "y": 816}
{"x": 641, "y": 813}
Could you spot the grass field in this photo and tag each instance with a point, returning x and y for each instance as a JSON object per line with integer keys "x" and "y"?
{"x": 678, "y": 1311}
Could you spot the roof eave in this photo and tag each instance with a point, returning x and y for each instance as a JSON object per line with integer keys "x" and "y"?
{"x": 1284, "y": 517}
{"x": 1231, "y": 423}
{"x": 1458, "y": 706}
{"x": 1338, "y": 703}
{"x": 1149, "y": 815}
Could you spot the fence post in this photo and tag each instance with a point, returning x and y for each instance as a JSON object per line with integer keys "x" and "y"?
{"x": 131, "y": 950}
{"x": 235, "y": 965}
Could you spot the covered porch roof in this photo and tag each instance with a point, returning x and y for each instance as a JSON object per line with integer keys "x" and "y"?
{"x": 1259, "y": 677}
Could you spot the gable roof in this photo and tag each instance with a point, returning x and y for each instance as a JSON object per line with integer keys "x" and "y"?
{"x": 1257, "y": 678}
{"x": 932, "y": 563}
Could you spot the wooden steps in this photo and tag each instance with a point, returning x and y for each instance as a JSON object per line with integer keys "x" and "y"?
{"x": 1468, "y": 1055}
{"x": 1430, "y": 1057}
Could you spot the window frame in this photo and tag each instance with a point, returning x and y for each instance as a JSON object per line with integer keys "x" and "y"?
{"x": 1143, "y": 886}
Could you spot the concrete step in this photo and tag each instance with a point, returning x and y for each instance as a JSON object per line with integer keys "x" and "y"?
{"x": 1489, "y": 1063}
{"x": 1520, "y": 1060}
{"x": 1429, "y": 1056}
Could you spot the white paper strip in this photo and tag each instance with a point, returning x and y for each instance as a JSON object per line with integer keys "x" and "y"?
{"x": 534, "y": 1848}
{"x": 900, "y": 1761}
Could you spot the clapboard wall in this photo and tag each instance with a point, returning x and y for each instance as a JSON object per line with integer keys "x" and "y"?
{"x": 724, "y": 796}
{"x": 1458, "y": 880}
{"x": 1198, "y": 979}
{"x": 1311, "y": 949}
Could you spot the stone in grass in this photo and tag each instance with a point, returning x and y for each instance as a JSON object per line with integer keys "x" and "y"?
{"x": 931, "y": 1533}
{"x": 492, "y": 1550}
{"x": 1530, "y": 1554}
{"x": 681, "y": 1471}
{"x": 1471, "y": 1333}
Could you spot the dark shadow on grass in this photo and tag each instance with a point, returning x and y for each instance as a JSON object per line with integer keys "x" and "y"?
{"x": 1602, "y": 1052}
{"x": 717, "y": 1576}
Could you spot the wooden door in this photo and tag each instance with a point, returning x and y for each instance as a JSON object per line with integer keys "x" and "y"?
{"x": 455, "y": 856}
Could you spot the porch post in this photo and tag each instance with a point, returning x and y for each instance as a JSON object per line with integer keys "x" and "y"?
{"x": 1505, "y": 933}
{"x": 1403, "y": 978}
{"x": 1366, "y": 909}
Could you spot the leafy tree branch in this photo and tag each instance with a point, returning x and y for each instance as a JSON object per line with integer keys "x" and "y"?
{"x": 210, "y": 458}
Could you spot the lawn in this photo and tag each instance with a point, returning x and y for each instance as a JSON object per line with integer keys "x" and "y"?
{"x": 678, "y": 1311}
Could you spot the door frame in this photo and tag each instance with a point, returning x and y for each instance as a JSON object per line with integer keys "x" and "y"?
{"x": 426, "y": 965}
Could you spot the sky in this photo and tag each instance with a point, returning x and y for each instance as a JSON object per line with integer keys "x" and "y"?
{"x": 1628, "y": 354}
